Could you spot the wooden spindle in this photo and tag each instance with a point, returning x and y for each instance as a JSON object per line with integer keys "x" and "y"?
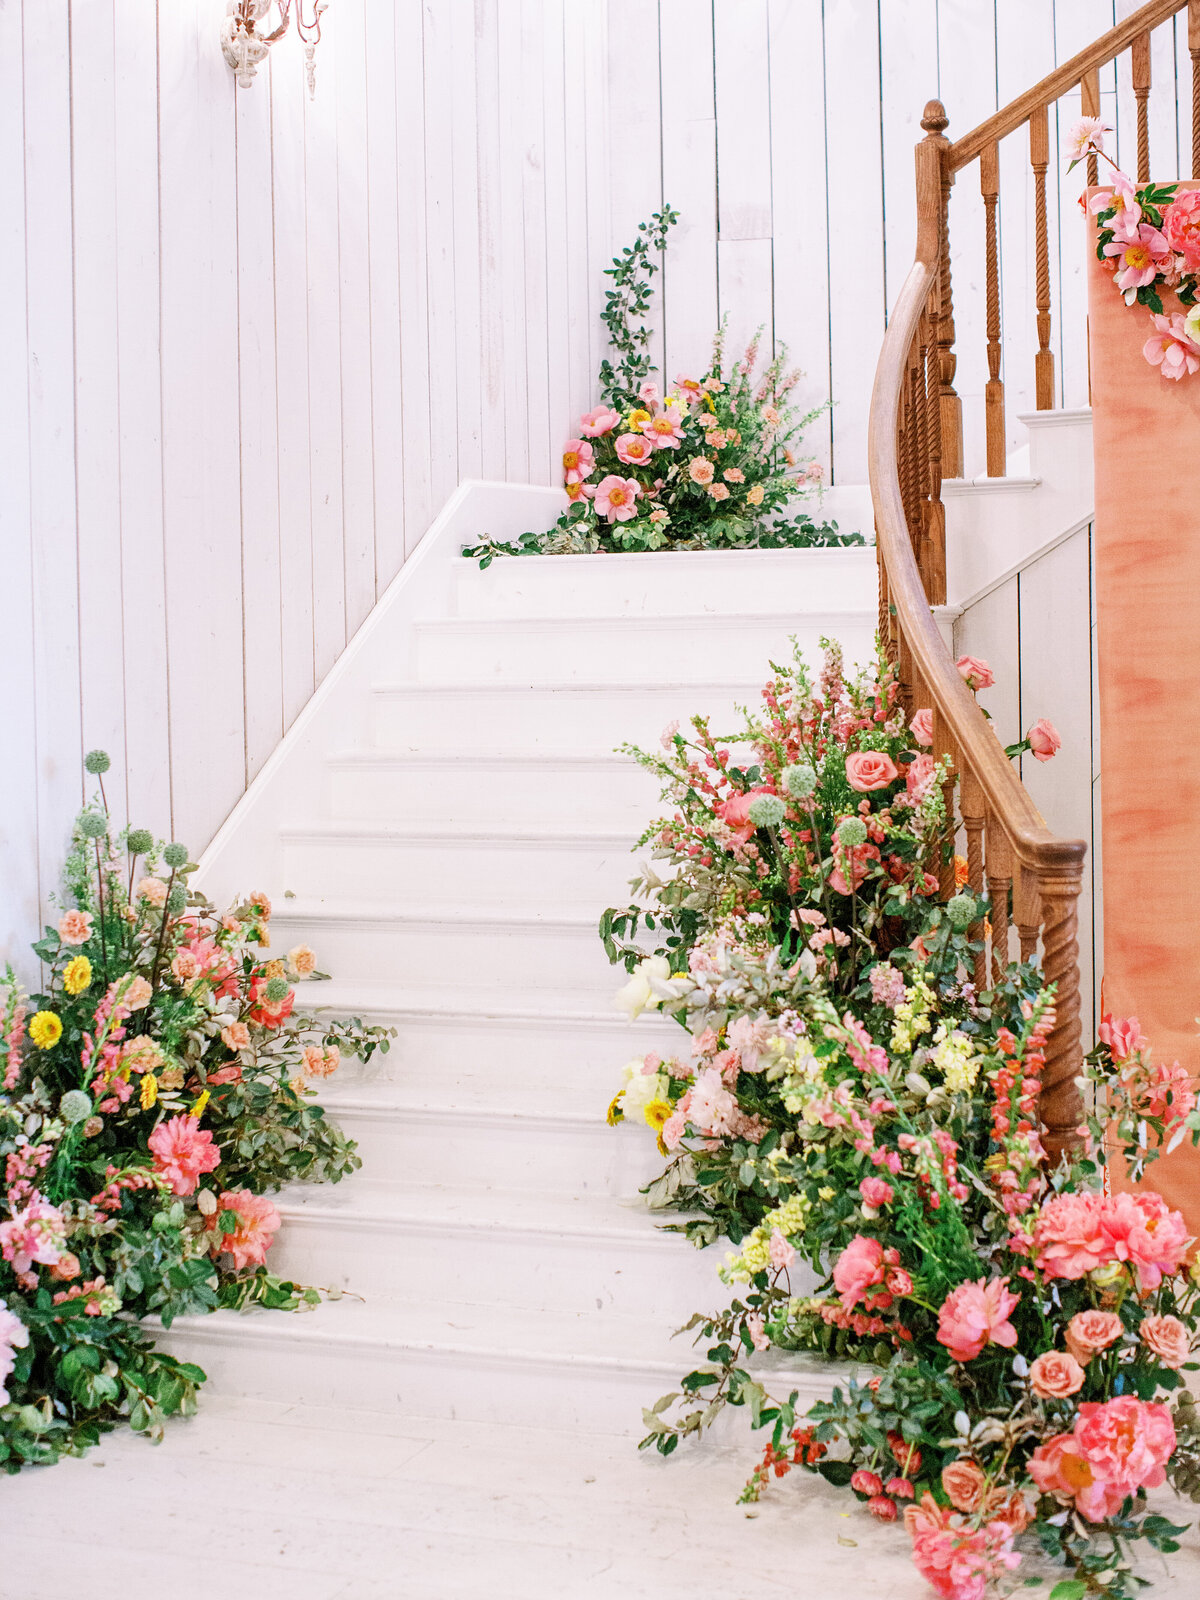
{"x": 942, "y": 746}
{"x": 1027, "y": 910}
{"x": 1039, "y": 158}
{"x": 1139, "y": 53}
{"x": 935, "y": 122}
{"x": 935, "y": 511}
{"x": 999, "y": 882}
{"x": 1194, "y": 51}
{"x": 1061, "y": 1102}
{"x": 1090, "y": 107}
{"x": 989, "y": 184}
{"x": 970, "y": 797}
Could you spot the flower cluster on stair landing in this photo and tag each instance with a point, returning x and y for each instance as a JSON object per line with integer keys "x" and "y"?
{"x": 150, "y": 1099}
{"x": 849, "y": 1103}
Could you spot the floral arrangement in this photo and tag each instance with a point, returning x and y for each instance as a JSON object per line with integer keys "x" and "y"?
{"x": 151, "y": 1097}
{"x": 860, "y": 1122}
{"x": 1150, "y": 238}
{"x": 711, "y": 464}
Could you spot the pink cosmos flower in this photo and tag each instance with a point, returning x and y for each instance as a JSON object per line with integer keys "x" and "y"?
{"x": 598, "y": 422}
{"x": 921, "y": 726}
{"x": 75, "y": 927}
{"x": 867, "y": 770}
{"x": 616, "y": 498}
{"x": 258, "y": 1223}
{"x": 579, "y": 461}
{"x": 1044, "y": 740}
{"x": 975, "y": 673}
{"x": 634, "y": 449}
{"x": 182, "y": 1150}
{"x": 1170, "y": 348}
{"x": 1181, "y": 227}
{"x": 1139, "y": 256}
{"x": 1085, "y": 137}
{"x": 665, "y": 427}
{"x": 975, "y": 1315}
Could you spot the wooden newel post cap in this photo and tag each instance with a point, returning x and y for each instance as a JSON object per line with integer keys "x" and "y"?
{"x": 935, "y": 119}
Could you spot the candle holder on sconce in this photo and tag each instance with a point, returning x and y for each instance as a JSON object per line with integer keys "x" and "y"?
{"x": 247, "y": 35}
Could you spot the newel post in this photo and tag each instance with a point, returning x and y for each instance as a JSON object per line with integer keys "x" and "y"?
{"x": 1061, "y": 1101}
{"x": 934, "y": 178}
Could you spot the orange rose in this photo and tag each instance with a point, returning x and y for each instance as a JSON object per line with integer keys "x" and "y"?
{"x": 1168, "y": 1338}
{"x": 1054, "y": 1375}
{"x": 964, "y": 1482}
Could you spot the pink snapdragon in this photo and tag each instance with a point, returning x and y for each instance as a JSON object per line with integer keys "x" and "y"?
{"x": 183, "y": 1150}
{"x": 616, "y": 498}
{"x": 594, "y": 424}
{"x": 975, "y": 1315}
{"x": 1170, "y": 347}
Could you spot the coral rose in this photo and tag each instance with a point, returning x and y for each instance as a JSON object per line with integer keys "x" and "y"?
{"x": 921, "y": 726}
{"x": 867, "y": 770}
{"x": 1168, "y": 1338}
{"x": 863, "y": 1482}
{"x": 735, "y": 813}
{"x": 975, "y": 673}
{"x": 964, "y": 1482}
{"x": 1044, "y": 739}
{"x": 975, "y": 1315}
{"x": 1055, "y": 1375}
{"x": 1089, "y": 1331}
{"x": 859, "y": 1273}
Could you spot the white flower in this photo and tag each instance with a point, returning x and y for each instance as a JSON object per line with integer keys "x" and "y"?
{"x": 640, "y": 993}
{"x": 641, "y": 1087}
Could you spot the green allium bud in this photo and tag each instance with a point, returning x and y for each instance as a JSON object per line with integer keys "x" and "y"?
{"x": 277, "y": 989}
{"x": 92, "y": 825}
{"x": 177, "y": 902}
{"x": 75, "y": 1106}
{"x": 175, "y": 855}
{"x": 961, "y": 910}
{"x": 140, "y": 841}
{"x": 96, "y": 762}
{"x": 766, "y": 811}
{"x": 800, "y": 781}
{"x": 852, "y": 831}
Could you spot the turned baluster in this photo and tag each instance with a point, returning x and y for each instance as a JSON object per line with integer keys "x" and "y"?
{"x": 1090, "y": 107}
{"x": 1027, "y": 910}
{"x": 1039, "y": 158}
{"x": 999, "y": 882}
{"x": 1139, "y": 54}
{"x": 1061, "y": 1102}
{"x": 970, "y": 799}
{"x": 989, "y": 184}
{"x": 942, "y": 746}
{"x": 1194, "y": 52}
{"x": 921, "y": 397}
{"x": 933, "y": 191}
{"x": 935, "y": 512}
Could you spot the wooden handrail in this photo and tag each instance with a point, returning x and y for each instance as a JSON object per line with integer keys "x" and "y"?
{"x": 1057, "y": 83}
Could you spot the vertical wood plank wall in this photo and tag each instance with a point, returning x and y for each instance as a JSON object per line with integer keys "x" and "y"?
{"x": 249, "y": 341}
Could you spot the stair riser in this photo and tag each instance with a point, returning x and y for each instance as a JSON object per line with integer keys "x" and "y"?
{"x": 477, "y": 1153}
{"x": 551, "y": 652}
{"x": 543, "y": 877}
{"x": 646, "y": 1277}
{"x": 555, "y": 586}
{"x": 607, "y": 795}
{"x": 543, "y": 719}
{"x": 525, "y": 966}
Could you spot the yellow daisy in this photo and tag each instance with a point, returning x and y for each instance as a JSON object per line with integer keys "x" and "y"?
{"x": 658, "y": 1112}
{"x": 45, "y": 1029}
{"x": 77, "y": 975}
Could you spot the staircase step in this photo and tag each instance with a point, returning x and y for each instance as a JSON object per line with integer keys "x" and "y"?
{"x": 551, "y": 650}
{"x": 518, "y": 868}
{"x": 497, "y": 1247}
{"x": 657, "y": 584}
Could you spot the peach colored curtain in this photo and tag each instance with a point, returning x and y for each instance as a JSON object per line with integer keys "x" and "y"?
{"x": 1147, "y": 532}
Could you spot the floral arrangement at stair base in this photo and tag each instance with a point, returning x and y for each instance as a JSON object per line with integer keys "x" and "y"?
{"x": 151, "y": 1097}
{"x": 1150, "y": 238}
{"x": 710, "y": 464}
{"x": 861, "y": 1123}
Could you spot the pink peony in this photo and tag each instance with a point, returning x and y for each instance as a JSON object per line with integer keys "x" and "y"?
{"x": 1054, "y": 1375}
{"x": 1168, "y": 1338}
{"x": 1181, "y": 227}
{"x": 182, "y": 1150}
{"x": 634, "y": 449}
{"x": 1076, "y": 1233}
{"x": 921, "y": 726}
{"x": 975, "y": 673}
{"x": 1170, "y": 347}
{"x": 975, "y": 1315}
{"x": 1140, "y": 254}
{"x": 616, "y": 498}
{"x": 258, "y": 1223}
{"x": 867, "y": 770}
{"x": 600, "y": 421}
{"x": 665, "y": 428}
{"x": 1058, "y": 1467}
{"x": 1117, "y": 1447}
{"x": 75, "y": 927}
{"x": 1122, "y": 1035}
{"x": 1090, "y": 1331}
{"x": 1044, "y": 740}
{"x": 579, "y": 461}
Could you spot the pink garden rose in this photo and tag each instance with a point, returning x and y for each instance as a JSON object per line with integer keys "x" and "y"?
{"x": 1170, "y": 347}
{"x": 1090, "y": 1331}
{"x": 616, "y": 498}
{"x": 701, "y": 470}
{"x": 1181, "y": 227}
{"x": 182, "y": 1150}
{"x": 75, "y": 927}
{"x": 634, "y": 449}
{"x": 258, "y": 1223}
{"x": 975, "y": 1315}
{"x": 1055, "y": 1375}
{"x": 867, "y": 770}
{"x": 1168, "y": 1338}
{"x": 600, "y": 421}
{"x": 1044, "y": 740}
{"x": 579, "y": 461}
{"x": 975, "y": 673}
{"x": 921, "y": 726}
{"x": 876, "y": 1192}
{"x": 1122, "y": 1035}
{"x": 735, "y": 813}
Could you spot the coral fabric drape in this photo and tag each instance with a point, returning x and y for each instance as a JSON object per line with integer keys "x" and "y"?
{"x": 1147, "y": 543}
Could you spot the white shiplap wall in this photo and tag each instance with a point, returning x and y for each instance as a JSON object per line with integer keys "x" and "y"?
{"x": 250, "y": 342}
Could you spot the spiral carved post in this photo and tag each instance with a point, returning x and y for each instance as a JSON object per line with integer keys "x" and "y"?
{"x": 1039, "y": 159}
{"x": 1194, "y": 52}
{"x": 934, "y": 178}
{"x": 1140, "y": 57}
{"x": 1061, "y": 1101}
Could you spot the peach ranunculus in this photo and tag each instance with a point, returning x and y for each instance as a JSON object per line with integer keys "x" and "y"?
{"x": 257, "y": 1224}
{"x": 1090, "y": 1331}
{"x": 75, "y": 927}
{"x": 236, "y": 1036}
{"x": 320, "y": 1062}
{"x": 975, "y": 1315}
{"x": 579, "y": 461}
{"x": 921, "y": 726}
{"x": 1122, "y": 1035}
{"x": 867, "y": 770}
{"x": 634, "y": 449}
{"x": 152, "y": 890}
{"x": 302, "y": 961}
{"x": 975, "y": 673}
{"x": 1044, "y": 740}
{"x": 1055, "y": 1375}
{"x": 616, "y": 498}
{"x": 1168, "y": 1338}
{"x": 183, "y": 1150}
{"x": 964, "y": 1482}
{"x": 701, "y": 470}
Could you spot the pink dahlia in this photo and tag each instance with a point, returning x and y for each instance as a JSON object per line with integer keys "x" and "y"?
{"x": 975, "y": 1315}
{"x": 258, "y": 1223}
{"x": 182, "y": 1150}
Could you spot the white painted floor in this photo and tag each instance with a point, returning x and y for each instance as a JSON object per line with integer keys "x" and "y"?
{"x": 299, "y": 1503}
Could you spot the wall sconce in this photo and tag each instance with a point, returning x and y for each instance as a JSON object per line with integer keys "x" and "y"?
{"x": 247, "y": 36}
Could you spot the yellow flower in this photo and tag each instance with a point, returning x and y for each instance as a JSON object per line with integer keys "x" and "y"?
{"x": 826, "y": 1193}
{"x": 77, "y": 975}
{"x": 636, "y": 418}
{"x": 197, "y": 1110}
{"x": 614, "y": 1113}
{"x": 45, "y": 1030}
{"x": 657, "y": 1112}
{"x": 149, "y": 1090}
